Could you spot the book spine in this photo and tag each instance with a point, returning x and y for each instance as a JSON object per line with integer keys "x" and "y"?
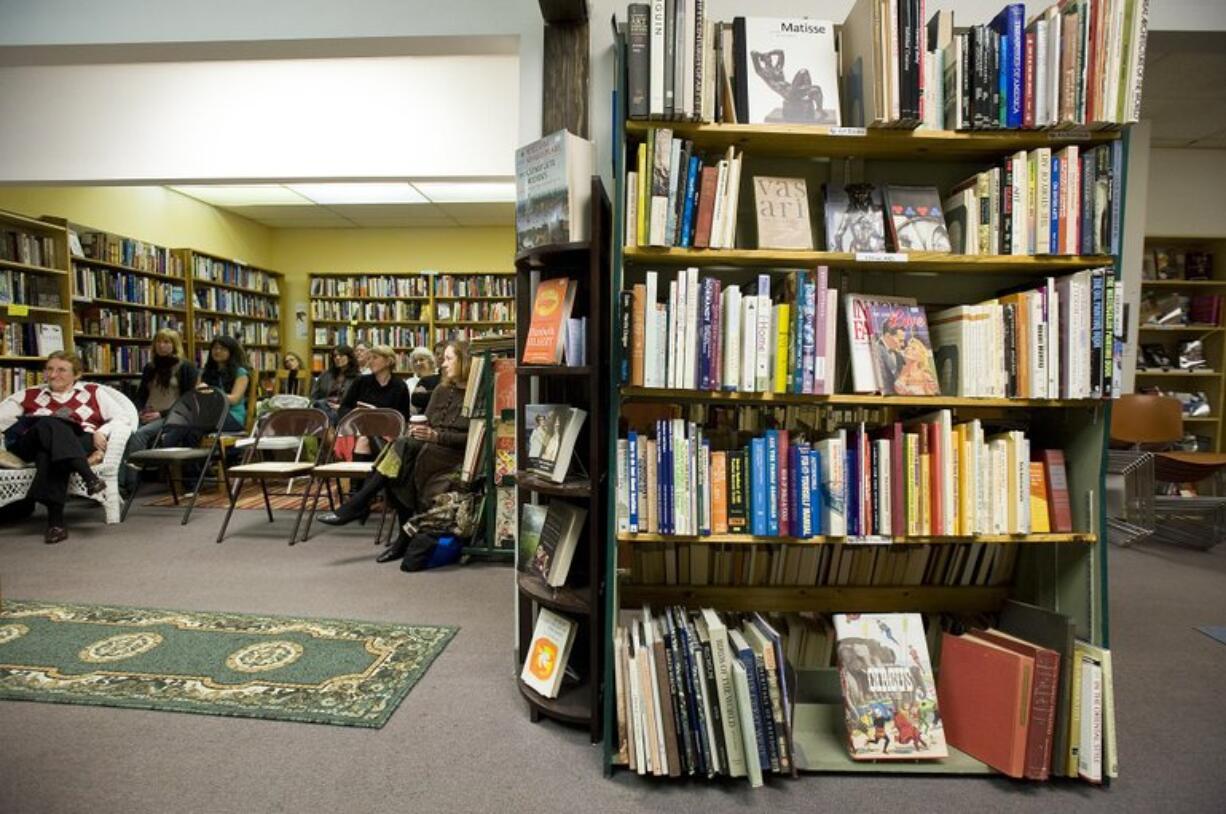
{"x": 1017, "y": 60}
{"x": 625, "y": 335}
{"x": 741, "y": 75}
{"x": 1042, "y": 715}
{"x": 1028, "y": 84}
{"x": 758, "y": 500}
{"x": 638, "y": 61}
{"x": 1096, "y": 334}
{"x": 632, "y": 481}
{"x": 656, "y": 55}
{"x": 784, "y": 480}
{"x": 670, "y": 58}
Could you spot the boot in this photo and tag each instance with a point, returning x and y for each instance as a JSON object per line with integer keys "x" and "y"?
{"x": 396, "y": 550}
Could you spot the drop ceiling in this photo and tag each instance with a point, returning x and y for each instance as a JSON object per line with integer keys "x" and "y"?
{"x": 1184, "y": 95}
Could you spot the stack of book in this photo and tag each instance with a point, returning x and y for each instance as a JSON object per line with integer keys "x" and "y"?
{"x": 113, "y": 358}
{"x": 371, "y": 286}
{"x": 37, "y": 290}
{"x": 251, "y": 306}
{"x": 90, "y": 283}
{"x": 17, "y": 378}
{"x": 126, "y": 251}
{"x": 213, "y": 270}
{"x": 97, "y": 321}
{"x": 18, "y": 246}
{"x": 351, "y": 311}
{"x": 474, "y": 285}
{"x": 248, "y": 333}
{"x": 398, "y": 337}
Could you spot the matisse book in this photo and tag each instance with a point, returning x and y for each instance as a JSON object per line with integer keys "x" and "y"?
{"x": 786, "y": 71}
{"x": 901, "y": 350}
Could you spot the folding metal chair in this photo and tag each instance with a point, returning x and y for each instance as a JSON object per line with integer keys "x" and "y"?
{"x": 374, "y": 423}
{"x": 201, "y": 411}
{"x": 292, "y": 423}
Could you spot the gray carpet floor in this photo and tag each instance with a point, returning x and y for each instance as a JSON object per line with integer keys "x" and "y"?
{"x": 462, "y": 741}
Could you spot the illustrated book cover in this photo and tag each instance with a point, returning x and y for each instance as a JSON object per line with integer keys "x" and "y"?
{"x": 855, "y": 218}
{"x": 548, "y": 653}
{"x": 552, "y": 431}
{"x": 915, "y": 219}
{"x": 547, "y": 331}
{"x": 553, "y": 191}
{"x": 786, "y": 71}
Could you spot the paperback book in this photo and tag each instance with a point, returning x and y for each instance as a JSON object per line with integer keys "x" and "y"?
{"x": 552, "y": 431}
{"x": 786, "y": 71}
{"x": 855, "y": 218}
{"x": 553, "y": 191}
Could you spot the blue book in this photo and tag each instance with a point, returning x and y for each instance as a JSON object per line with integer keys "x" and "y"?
{"x": 801, "y": 519}
{"x": 1056, "y": 248}
{"x": 1116, "y": 193}
{"x": 743, "y": 653}
{"x": 658, "y": 497}
{"x": 809, "y": 339}
{"x": 817, "y": 500}
{"x": 758, "y": 523}
{"x": 632, "y": 467}
{"x": 1009, "y": 24}
{"x": 772, "y": 482}
{"x": 666, "y": 476}
{"x": 691, "y": 202}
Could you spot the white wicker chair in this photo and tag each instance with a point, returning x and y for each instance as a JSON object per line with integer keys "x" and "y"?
{"x": 14, "y": 483}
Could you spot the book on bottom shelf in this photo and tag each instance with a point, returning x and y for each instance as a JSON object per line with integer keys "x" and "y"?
{"x": 548, "y": 653}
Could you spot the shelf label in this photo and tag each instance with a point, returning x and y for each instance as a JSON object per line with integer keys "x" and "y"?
{"x": 849, "y": 131}
{"x": 1068, "y": 135}
{"x": 16, "y": 310}
{"x": 881, "y": 257}
{"x": 870, "y": 539}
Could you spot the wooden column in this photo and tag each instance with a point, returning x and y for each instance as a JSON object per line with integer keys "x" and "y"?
{"x": 566, "y": 67}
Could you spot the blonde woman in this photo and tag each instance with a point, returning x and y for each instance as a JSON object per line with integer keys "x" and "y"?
{"x": 166, "y": 377}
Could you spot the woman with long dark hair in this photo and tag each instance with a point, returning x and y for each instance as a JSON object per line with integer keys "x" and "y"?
{"x": 333, "y": 383}
{"x": 227, "y": 371}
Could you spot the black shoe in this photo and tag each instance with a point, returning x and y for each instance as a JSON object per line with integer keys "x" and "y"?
{"x": 55, "y": 534}
{"x": 335, "y": 519}
{"x": 95, "y": 486}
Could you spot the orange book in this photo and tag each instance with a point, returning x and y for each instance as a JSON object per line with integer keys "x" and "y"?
{"x": 638, "y": 323}
{"x": 1021, "y": 332}
{"x": 719, "y": 493}
{"x": 1040, "y": 522}
{"x": 504, "y": 385}
{"x": 547, "y": 331}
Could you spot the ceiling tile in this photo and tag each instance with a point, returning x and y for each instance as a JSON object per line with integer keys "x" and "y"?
{"x": 481, "y": 214}
{"x": 1177, "y": 120}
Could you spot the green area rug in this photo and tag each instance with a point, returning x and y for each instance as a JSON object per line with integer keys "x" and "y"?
{"x": 324, "y": 671}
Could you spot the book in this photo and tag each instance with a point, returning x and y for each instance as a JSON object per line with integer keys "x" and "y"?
{"x": 545, "y": 664}
{"x": 558, "y": 538}
{"x": 855, "y": 218}
{"x": 901, "y": 351}
{"x": 1053, "y": 631}
{"x": 1044, "y": 689}
{"x": 551, "y": 307}
{"x": 889, "y": 696}
{"x": 553, "y": 191}
{"x": 782, "y": 206}
{"x": 786, "y": 71}
{"x": 552, "y": 431}
{"x": 915, "y": 220}
{"x": 984, "y": 695}
{"x": 1057, "y": 491}
{"x": 50, "y": 338}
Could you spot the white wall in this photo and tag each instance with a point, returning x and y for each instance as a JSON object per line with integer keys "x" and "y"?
{"x": 1187, "y": 193}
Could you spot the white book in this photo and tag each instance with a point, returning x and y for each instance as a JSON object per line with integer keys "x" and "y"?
{"x": 734, "y": 194}
{"x": 730, "y": 324}
{"x": 884, "y": 502}
{"x": 893, "y": 92}
{"x": 1023, "y": 483}
{"x": 1090, "y": 749}
{"x": 718, "y": 212}
{"x": 681, "y": 478}
{"x": 826, "y": 367}
{"x": 649, "y": 630}
{"x": 764, "y": 337}
{"x": 691, "y": 476}
{"x": 674, "y": 314}
{"x": 650, "y": 334}
{"x": 656, "y": 52}
{"x": 545, "y": 664}
{"x": 1053, "y": 338}
{"x": 635, "y": 712}
{"x": 707, "y": 109}
{"x": 1053, "y": 17}
{"x": 1041, "y": 227}
{"x": 632, "y": 209}
{"x": 646, "y": 662}
{"x": 1041, "y": 114}
{"x": 690, "y": 364}
{"x": 662, "y": 344}
{"x": 833, "y": 479}
{"x": 951, "y": 70}
{"x": 726, "y": 692}
{"x": 749, "y": 344}
{"x": 1021, "y": 188}
{"x": 623, "y": 485}
{"x": 685, "y": 79}
{"x": 749, "y": 738}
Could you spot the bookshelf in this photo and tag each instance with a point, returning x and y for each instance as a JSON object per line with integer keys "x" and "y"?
{"x": 229, "y": 297}
{"x": 35, "y": 289}
{"x": 1201, "y": 302}
{"x": 407, "y": 310}
{"x": 1065, "y": 572}
{"x": 586, "y": 387}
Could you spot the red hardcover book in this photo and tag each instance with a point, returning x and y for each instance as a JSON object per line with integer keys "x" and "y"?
{"x": 898, "y": 503}
{"x": 1028, "y": 82}
{"x": 504, "y": 385}
{"x": 706, "y": 207}
{"x": 785, "y": 482}
{"x": 1043, "y": 692}
{"x": 983, "y": 692}
{"x": 937, "y": 477}
{"x": 1057, "y": 491}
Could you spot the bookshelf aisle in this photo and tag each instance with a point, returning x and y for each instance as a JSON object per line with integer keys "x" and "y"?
{"x": 1181, "y": 332}
{"x": 35, "y": 289}
{"x": 934, "y": 570}
{"x": 231, "y": 298}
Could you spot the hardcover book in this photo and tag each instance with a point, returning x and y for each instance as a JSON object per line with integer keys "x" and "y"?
{"x": 786, "y": 71}
{"x": 782, "y": 206}
{"x": 547, "y": 332}
{"x": 901, "y": 350}
{"x": 855, "y": 218}
{"x": 915, "y": 219}
{"x": 558, "y": 539}
{"x": 547, "y": 654}
{"x": 553, "y": 191}
{"x": 552, "y": 431}
{"x": 889, "y": 695}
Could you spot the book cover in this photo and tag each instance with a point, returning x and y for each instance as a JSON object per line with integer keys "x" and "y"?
{"x": 782, "y": 207}
{"x": 638, "y": 36}
{"x": 548, "y": 653}
{"x": 889, "y": 696}
{"x": 915, "y": 219}
{"x": 1058, "y": 504}
{"x": 531, "y": 521}
{"x": 553, "y": 190}
{"x": 504, "y": 450}
{"x": 855, "y": 218}
{"x": 552, "y": 431}
{"x": 558, "y": 540}
{"x": 1053, "y": 631}
{"x": 901, "y": 351}
{"x": 1043, "y": 693}
{"x": 786, "y": 71}
{"x": 551, "y": 308}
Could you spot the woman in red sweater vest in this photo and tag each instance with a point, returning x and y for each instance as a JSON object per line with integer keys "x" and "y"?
{"x": 61, "y": 427}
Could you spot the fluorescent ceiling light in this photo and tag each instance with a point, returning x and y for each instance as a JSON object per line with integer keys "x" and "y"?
{"x": 374, "y": 193}
{"x": 467, "y": 192}
{"x": 243, "y": 195}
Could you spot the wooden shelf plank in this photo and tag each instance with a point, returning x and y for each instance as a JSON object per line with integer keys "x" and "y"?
{"x": 226, "y": 314}
{"x": 843, "y": 399}
{"x": 750, "y": 539}
{"x": 915, "y": 261}
{"x": 834, "y": 599}
{"x": 33, "y": 224}
{"x": 541, "y": 256}
{"x": 1183, "y": 284}
{"x": 565, "y": 599}
{"x": 92, "y": 262}
{"x": 34, "y": 309}
{"x": 9, "y": 358}
{"x": 1180, "y": 374}
{"x": 570, "y": 706}
{"x": 553, "y": 370}
{"x": 1200, "y": 329}
{"x": 801, "y": 141}
{"x": 134, "y": 305}
{"x": 13, "y": 264}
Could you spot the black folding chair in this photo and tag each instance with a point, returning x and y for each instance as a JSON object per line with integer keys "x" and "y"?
{"x": 293, "y": 423}
{"x": 203, "y": 413}
{"x": 369, "y": 422}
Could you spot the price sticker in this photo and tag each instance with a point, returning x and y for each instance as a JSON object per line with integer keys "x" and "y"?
{"x": 16, "y": 310}
{"x": 870, "y": 539}
{"x": 849, "y": 131}
{"x": 881, "y": 257}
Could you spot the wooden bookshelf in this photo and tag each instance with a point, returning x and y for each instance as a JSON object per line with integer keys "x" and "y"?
{"x": 671, "y": 395}
{"x": 36, "y": 253}
{"x": 711, "y": 259}
{"x": 875, "y": 599}
{"x": 751, "y": 539}
{"x": 234, "y": 298}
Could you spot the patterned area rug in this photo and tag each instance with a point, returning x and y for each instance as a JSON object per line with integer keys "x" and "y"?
{"x": 324, "y": 671}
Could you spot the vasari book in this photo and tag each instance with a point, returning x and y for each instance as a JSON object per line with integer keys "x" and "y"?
{"x": 553, "y": 191}
{"x": 558, "y": 539}
{"x": 915, "y": 219}
{"x": 855, "y": 218}
{"x": 531, "y": 522}
{"x": 551, "y": 308}
{"x": 889, "y": 696}
{"x": 902, "y": 352}
{"x": 782, "y": 206}
{"x": 786, "y": 71}
{"x": 547, "y": 655}
{"x": 552, "y": 431}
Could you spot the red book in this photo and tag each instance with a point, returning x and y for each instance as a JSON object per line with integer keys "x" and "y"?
{"x": 1028, "y": 82}
{"x": 983, "y": 692}
{"x": 504, "y": 385}
{"x": 547, "y": 331}
{"x": 1043, "y": 692}
{"x": 1057, "y": 491}
{"x": 706, "y": 207}
{"x": 785, "y": 481}
{"x": 936, "y": 476}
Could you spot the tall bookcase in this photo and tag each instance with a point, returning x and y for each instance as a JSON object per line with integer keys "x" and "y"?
{"x": 1064, "y": 572}
{"x": 586, "y": 387}
{"x": 228, "y": 297}
{"x": 35, "y": 288}
{"x": 407, "y": 310}
{"x": 1172, "y": 291}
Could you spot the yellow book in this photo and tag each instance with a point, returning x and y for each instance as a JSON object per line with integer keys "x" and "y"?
{"x": 781, "y": 348}
{"x": 1074, "y": 715}
{"x": 910, "y": 445}
{"x": 925, "y": 495}
{"x": 643, "y": 180}
{"x": 966, "y": 486}
{"x": 1039, "y": 518}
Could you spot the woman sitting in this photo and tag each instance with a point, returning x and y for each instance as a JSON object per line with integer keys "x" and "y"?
{"x": 296, "y": 377}
{"x": 62, "y": 427}
{"x": 416, "y": 469}
{"x": 379, "y": 388}
{"x": 163, "y": 382}
{"x": 331, "y": 385}
{"x": 424, "y": 379}
{"x": 361, "y": 355}
{"x": 226, "y": 371}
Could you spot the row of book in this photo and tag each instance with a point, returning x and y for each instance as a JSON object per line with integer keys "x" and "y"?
{"x": 1160, "y": 308}
{"x": 1045, "y": 202}
{"x": 112, "y": 358}
{"x": 90, "y": 283}
{"x": 471, "y": 310}
{"x": 30, "y": 338}
{"x": 446, "y": 333}
{"x": 256, "y": 359}
{"x": 1174, "y": 263}
{"x": 834, "y": 565}
{"x": 399, "y": 337}
{"x": 676, "y": 196}
{"x": 13, "y": 379}
{"x": 19, "y": 246}
{"x": 252, "y": 333}
{"x": 368, "y": 285}
{"x": 928, "y": 476}
{"x": 210, "y": 269}
{"x": 38, "y": 290}
{"x": 135, "y": 324}
{"x": 126, "y": 251}
{"x": 350, "y": 310}
{"x": 489, "y": 285}
{"x": 236, "y": 302}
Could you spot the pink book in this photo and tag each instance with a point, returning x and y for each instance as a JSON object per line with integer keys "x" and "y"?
{"x": 785, "y": 492}
{"x": 717, "y": 339}
{"x": 821, "y": 368}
